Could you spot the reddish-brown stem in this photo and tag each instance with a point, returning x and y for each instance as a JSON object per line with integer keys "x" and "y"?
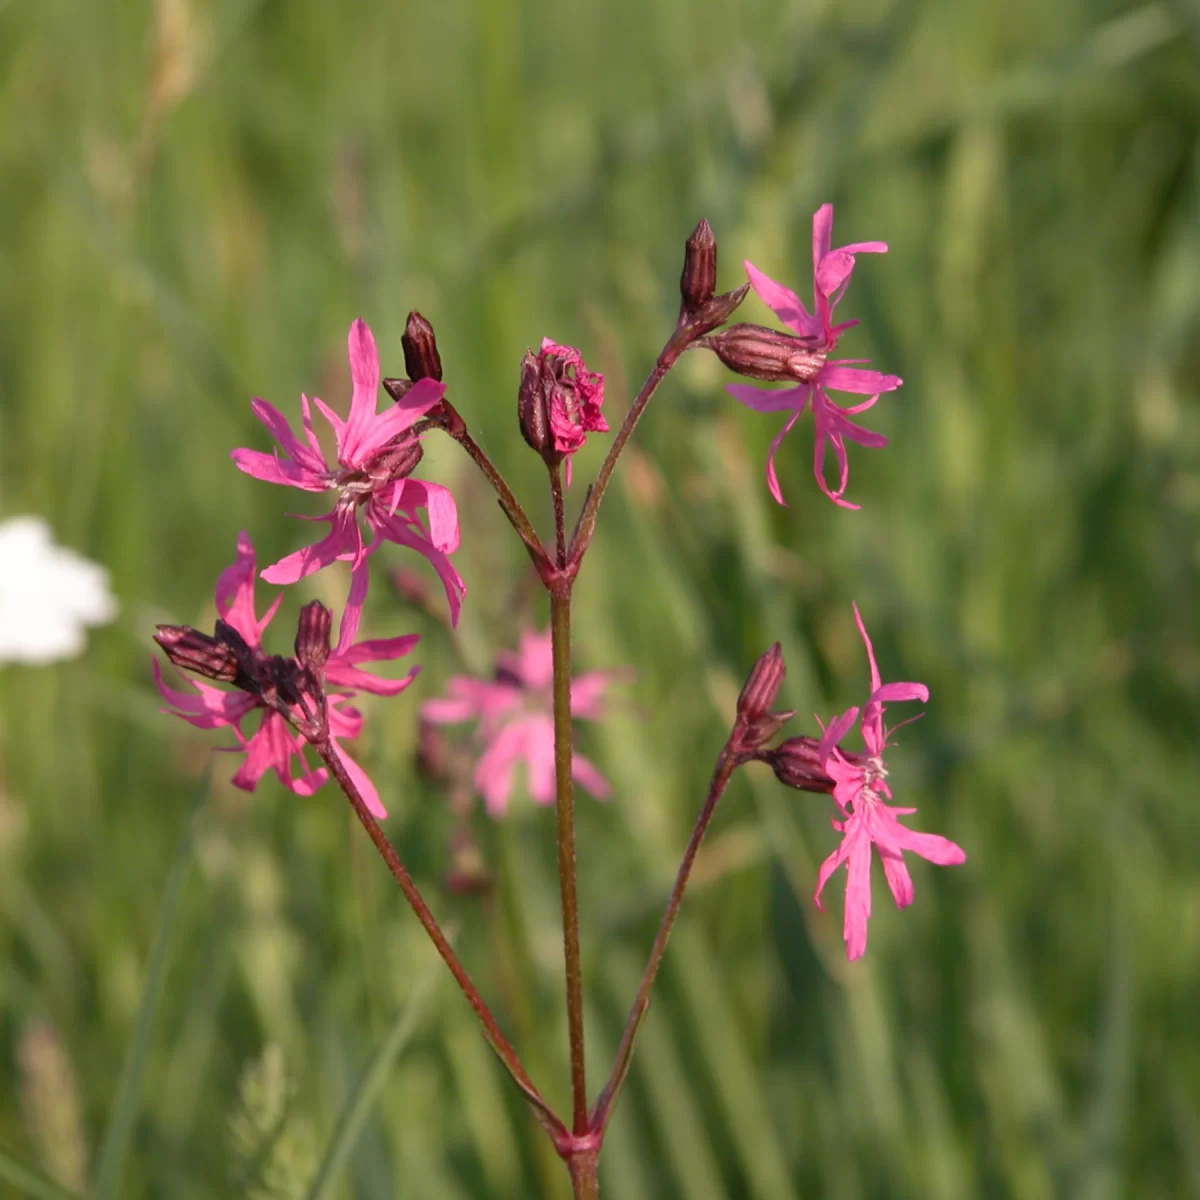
{"x": 454, "y": 425}
{"x": 679, "y": 342}
{"x": 560, "y": 632}
{"x": 560, "y": 527}
{"x": 583, "y": 1174}
{"x": 496, "y": 1039}
{"x": 726, "y": 763}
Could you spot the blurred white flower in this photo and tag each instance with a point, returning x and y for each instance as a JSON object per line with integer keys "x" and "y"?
{"x": 48, "y": 595}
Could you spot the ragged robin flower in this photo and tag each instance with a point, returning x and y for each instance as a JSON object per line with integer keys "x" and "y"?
{"x": 515, "y": 712}
{"x": 376, "y": 451}
{"x": 804, "y": 357}
{"x": 290, "y": 693}
{"x": 860, "y": 789}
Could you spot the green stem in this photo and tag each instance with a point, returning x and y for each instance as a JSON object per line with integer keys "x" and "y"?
{"x": 560, "y": 632}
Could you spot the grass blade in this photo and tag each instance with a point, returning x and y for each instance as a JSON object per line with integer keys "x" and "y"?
{"x": 110, "y": 1163}
{"x": 366, "y": 1091}
{"x": 29, "y": 1182}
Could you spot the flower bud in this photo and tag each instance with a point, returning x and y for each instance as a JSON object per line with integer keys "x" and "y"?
{"x": 312, "y": 635}
{"x": 756, "y": 724}
{"x": 396, "y": 460}
{"x": 397, "y": 388}
{"x": 533, "y": 406}
{"x": 797, "y": 764}
{"x": 559, "y": 400}
{"x": 191, "y": 650}
{"x": 762, "y": 353}
{"x": 699, "y": 280}
{"x": 421, "y": 358}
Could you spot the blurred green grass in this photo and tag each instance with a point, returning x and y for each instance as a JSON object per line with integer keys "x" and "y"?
{"x": 198, "y": 197}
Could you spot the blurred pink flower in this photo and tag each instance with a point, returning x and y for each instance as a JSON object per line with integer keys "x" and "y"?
{"x": 516, "y": 721}
{"x": 375, "y": 453}
{"x": 831, "y": 274}
{"x": 860, "y": 784}
{"x": 275, "y": 743}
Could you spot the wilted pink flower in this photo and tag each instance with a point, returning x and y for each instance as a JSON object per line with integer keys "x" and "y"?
{"x": 860, "y": 786}
{"x": 831, "y": 274}
{"x": 275, "y": 744}
{"x": 516, "y": 721}
{"x": 559, "y": 402}
{"x": 375, "y": 453}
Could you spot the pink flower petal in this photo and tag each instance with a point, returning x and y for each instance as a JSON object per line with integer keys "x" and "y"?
{"x": 364, "y": 371}
{"x": 785, "y": 304}
{"x": 584, "y": 772}
{"x": 840, "y": 378}
{"x": 764, "y": 401}
{"x": 772, "y": 477}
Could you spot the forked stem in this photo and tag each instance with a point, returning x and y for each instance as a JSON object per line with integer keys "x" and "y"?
{"x": 560, "y": 633}
{"x": 495, "y": 1038}
{"x": 726, "y": 764}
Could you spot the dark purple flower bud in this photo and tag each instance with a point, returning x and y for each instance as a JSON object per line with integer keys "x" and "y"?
{"x": 756, "y": 724}
{"x": 762, "y": 353}
{"x": 533, "y": 405}
{"x": 312, "y": 636}
{"x": 699, "y": 280}
{"x": 797, "y": 763}
{"x": 397, "y": 460}
{"x": 191, "y": 650}
{"x": 421, "y": 358}
{"x": 398, "y": 388}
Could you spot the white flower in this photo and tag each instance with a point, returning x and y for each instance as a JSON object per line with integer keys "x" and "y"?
{"x": 47, "y": 594}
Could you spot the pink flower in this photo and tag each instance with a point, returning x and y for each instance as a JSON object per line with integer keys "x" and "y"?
{"x": 515, "y": 715}
{"x": 276, "y": 744}
{"x": 375, "y": 453}
{"x": 831, "y": 274}
{"x": 860, "y": 786}
{"x": 559, "y": 402}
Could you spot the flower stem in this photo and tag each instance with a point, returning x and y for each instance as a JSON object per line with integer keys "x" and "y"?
{"x": 560, "y": 528}
{"x": 454, "y": 425}
{"x": 560, "y": 629}
{"x": 678, "y": 343}
{"x": 726, "y": 763}
{"x": 583, "y": 1175}
{"x": 491, "y": 1030}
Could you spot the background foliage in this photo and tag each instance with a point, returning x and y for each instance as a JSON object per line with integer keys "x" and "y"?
{"x": 198, "y": 197}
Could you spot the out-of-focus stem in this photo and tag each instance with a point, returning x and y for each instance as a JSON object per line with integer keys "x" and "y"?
{"x": 726, "y": 763}
{"x": 496, "y": 1039}
{"x": 560, "y": 631}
